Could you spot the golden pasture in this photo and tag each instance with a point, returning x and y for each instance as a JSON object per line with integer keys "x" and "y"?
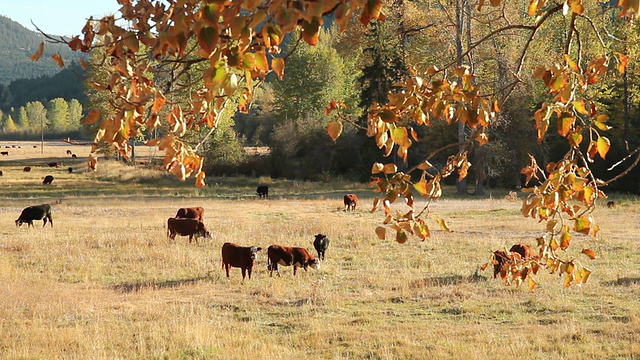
{"x": 106, "y": 283}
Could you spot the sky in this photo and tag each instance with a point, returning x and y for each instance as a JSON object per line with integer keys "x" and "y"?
{"x": 56, "y": 17}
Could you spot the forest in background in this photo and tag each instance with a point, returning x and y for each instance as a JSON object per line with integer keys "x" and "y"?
{"x": 357, "y": 68}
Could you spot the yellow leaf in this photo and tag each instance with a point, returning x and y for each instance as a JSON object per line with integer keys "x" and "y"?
{"x": 532, "y": 283}
{"x": 92, "y": 116}
{"x": 443, "y": 225}
{"x": 575, "y": 139}
{"x": 334, "y": 129}
{"x": 565, "y": 239}
{"x": 567, "y": 280}
{"x": 582, "y": 225}
{"x": 277, "y": 64}
{"x": 590, "y": 253}
{"x": 585, "y": 274}
{"x": 421, "y": 187}
{"x": 36, "y": 56}
{"x": 390, "y": 169}
{"x": 580, "y": 106}
{"x": 377, "y": 168}
{"x": 565, "y": 123}
{"x": 603, "y": 146}
{"x": 400, "y": 136}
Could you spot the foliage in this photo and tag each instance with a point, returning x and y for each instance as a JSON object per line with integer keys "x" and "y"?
{"x": 233, "y": 43}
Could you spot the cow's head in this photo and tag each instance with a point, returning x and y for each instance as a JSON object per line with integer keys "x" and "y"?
{"x": 253, "y": 251}
{"x": 314, "y": 263}
{"x": 19, "y": 223}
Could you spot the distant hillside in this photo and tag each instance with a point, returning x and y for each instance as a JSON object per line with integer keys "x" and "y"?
{"x": 17, "y": 44}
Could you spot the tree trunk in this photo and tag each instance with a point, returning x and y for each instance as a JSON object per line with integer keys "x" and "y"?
{"x": 461, "y": 185}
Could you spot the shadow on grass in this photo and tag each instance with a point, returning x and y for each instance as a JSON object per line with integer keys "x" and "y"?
{"x": 155, "y": 285}
{"x": 627, "y": 281}
{"x": 448, "y": 280}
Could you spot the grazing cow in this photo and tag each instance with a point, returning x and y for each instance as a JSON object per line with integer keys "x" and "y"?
{"x": 47, "y": 180}
{"x": 263, "y": 191}
{"x": 243, "y": 257}
{"x": 35, "y": 146}
{"x": 36, "y": 212}
{"x": 321, "y": 243}
{"x": 186, "y": 227}
{"x": 1, "y": 173}
{"x": 68, "y": 152}
{"x": 288, "y": 256}
{"x": 611, "y": 204}
{"x": 4, "y": 153}
{"x": 191, "y": 213}
{"x": 70, "y": 169}
{"x": 74, "y": 156}
{"x": 350, "y": 202}
{"x": 518, "y": 252}
{"x": 53, "y": 164}
{"x": 27, "y": 169}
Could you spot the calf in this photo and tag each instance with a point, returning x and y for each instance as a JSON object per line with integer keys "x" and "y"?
{"x": 186, "y": 227}
{"x": 191, "y": 213}
{"x": 243, "y": 257}
{"x": 350, "y": 202}
{"x": 47, "y": 180}
{"x": 263, "y": 191}
{"x": 288, "y": 256}
{"x": 36, "y": 212}
{"x": 321, "y": 243}
{"x": 518, "y": 252}
{"x": 611, "y": 203}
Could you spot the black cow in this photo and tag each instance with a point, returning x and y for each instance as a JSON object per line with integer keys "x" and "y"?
{"x": 53, "y": 164}
{"x": 70, "y": 169}
{"x": 36, "y": 212}
{"x": 321, "y": 243}
{"x": 68, "y": 152}
{"x": 74, "y": 156}
{"x": 263, "y": 191}
{"x": 47, "y": 180}
{"x": 243, "y": 257}
{"x": 5, "y": 153}
{"x": 1, "y": 173}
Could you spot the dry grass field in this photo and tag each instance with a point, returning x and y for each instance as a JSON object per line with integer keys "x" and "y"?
{"x": 106, "y": 283}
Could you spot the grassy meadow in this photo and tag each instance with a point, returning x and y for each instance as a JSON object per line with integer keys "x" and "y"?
{"x": 106, "y": 283}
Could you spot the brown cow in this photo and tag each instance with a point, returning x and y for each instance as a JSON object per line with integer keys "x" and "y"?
{"x": 186, "y": 227}
{"x": 53, "y": 164}
{"x": 243, "y": 257}
{"x": 288, "y": 256}
{"x": 191, "y": 213}
{"x": 518, "y": 252}
{"x": 27, "y": 169}
{"x": 350, "y": 202}
{"x": 611, "y": 203}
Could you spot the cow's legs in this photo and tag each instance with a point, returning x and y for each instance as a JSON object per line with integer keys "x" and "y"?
{"x": 244, "y": 273}
{"x": 226, "y": 267}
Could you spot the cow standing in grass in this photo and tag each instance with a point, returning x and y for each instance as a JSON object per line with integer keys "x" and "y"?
{"x": 321, "y": 243}
{"x": 36, "y": 212}
{"x": 243, "y": 257}
{"x": 262, "y": 191}
{"x": 186, "y": 227}
{"x": 191, "y": 213}
{"x": 350, "y": 202}
{"x": 290, "y": 256}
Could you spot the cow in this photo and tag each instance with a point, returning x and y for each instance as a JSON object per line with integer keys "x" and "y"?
{"x": 288, "y": 256}
{"x": 4, "y": 153}
{"x": 36, "y": 212}
{"x": 35, "y": 146}
{"x": 70, "y": 169}
{"x": 53, "y": 164}
{"x": 68, "y": 152}
{"x": 74, "y": 156}
{"x": 27, "y": 169}
{"x": 243, "y": 257}
{"x": 321, "y": 243}
{"x": 47, "y": 180}
{"x": 350, "y": 202}
{"x": 186, "y": 227}
{"x": 611, "y": 204}
{"x": 262, "y": 191}
{"x": 518, "y": 252}
{"x": 1, "y": 173}
{"x": 191, "y": 213}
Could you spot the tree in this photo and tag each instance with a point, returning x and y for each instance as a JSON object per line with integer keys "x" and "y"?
{"x": 22, "y": 120}
{"x": 58, "y": 114}
{"x": 239, "y": 42}
{"x": 75, "y": 113}
{"x": 37, "y": 114}
{"x": 9, "y": 125}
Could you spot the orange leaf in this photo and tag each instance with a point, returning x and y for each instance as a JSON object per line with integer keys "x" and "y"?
{"x": 381, "y": 232}
{"x": 590, "y": 253}
{"x": 200, "y": 179}
{"x": 582, "y": 225}
{"x": 603, "y": 146}
{"x": 36, "y": 56}
{"x": 277, "y": 64}
{"x": 92, "y": 116}
{"x": 58, "y": 59}
{"x": 334, "y": 129}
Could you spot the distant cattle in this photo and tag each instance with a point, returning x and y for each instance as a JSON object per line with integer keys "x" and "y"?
{"x": 74, "y": 156}
{"x": 191, "y": 213}
{"x": 47, "y": 180}
{"x": 518, "y": 252}
{"x": 35, "y": 146}
{"x": 36, "y": 212}
{"x": 186, "y": 227}
{"x": 4, "y": 153}
{"x": 53, "y": 164}
{"x": 70, "y": 169}
{"x": 69, "y": 152}
{"x": 1, "y": 173}
{"x": 321, "y": 243}
{"x": 263, "y": 191}
{"x": 350, "y": 202}
{"x": 27, "y": 169}
{"x": 243, "y": 257}
{"x": 289, "y": 256}
{"x": 611, "y": 204}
